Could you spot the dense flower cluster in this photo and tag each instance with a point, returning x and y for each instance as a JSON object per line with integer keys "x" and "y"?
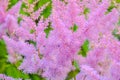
{"x": 71, "y": 23}
{"x": 4, "y": 77}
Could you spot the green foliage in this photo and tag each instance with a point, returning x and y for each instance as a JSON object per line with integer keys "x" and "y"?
{"x": 72, "y": 74}
{"x": 3, "y": 56}
{"x": 3, "y": 51}
{"x": 84, "y": 48}
{"x": 11, "y": 69}
{"x": 6, "y": 67}
{"x": 114, "y": 33}
{"x": 19, "y": 19}
{"x": 41, "y": 3}
{"x": 31, "y": 42}
{"x": 118, "y": 1}
{"x": 118, "y": 22}
{"x": 86, "y": 11}
{"x": 32, "y": 31}
{"x": 110, "y": 8}
{"x": 30, "y": 1}
{"x": 74, "y": 28}
{"x": 2, "y": 65}
{"x": 36, "y": 77}
{"x": 47, "y": 11}
{"x": 48, "y": 29}
{"x": 22, "y": 11}
{"x": 76, "y": 65}
{"x": 12, "y": 3}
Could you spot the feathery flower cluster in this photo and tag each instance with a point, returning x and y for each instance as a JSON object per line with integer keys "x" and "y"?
{"x": 4, "y": 77}
{"x": 71, "y": 23}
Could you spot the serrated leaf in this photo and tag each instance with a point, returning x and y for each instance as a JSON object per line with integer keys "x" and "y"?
{"x": 12, "y": 3}
{"x": 84, "y": 48}
{"x": 48, "y": 29}
{"x": 12, "y": 71}
{"x": 36, "y": 77}
{"x": 22, "y": 11}
{"x": 110, "y": 8}
{"x": 47, "y": 11}
{"x": 40, "y": 4}
{"x": 3, "y": 50}
{"x": 72, "y": 74}
{"x": 76, "y": 65}
{"x": 74, "y": 28}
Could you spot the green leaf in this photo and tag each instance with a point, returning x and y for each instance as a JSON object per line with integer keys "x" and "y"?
{"x": 76, "y": 65}
{"x": 47, "y": 11}
{"x": 86, "y": 11}
{"x": 40, "y": 4}
{"x": 19, "y": 19}
{"x": 31, "y": 42}
{"x": 110, "y": 8}
{"x": 118, "y": 22}
{"x": 118, "y": 1}
{"x": 3, "y": 56}
{"x": 36, "y": 77}
{"x": 12, "y": 71}
{"x": 18, "y": 63}
{"x": 2, "y": 65}
{"x": 84, "y": 48}
{"x": 3, "y": 50}
{"x": 114, "y": 33}
{"x": 30, "y": 1}
{"x": 12, "y": 3}
{"x": 22, "y": 11}
{"x": 72, "y": 74}
{"x": 48, "y": 29}
{"x": 74, "y": 28}
{"x": 32, "y": 31}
